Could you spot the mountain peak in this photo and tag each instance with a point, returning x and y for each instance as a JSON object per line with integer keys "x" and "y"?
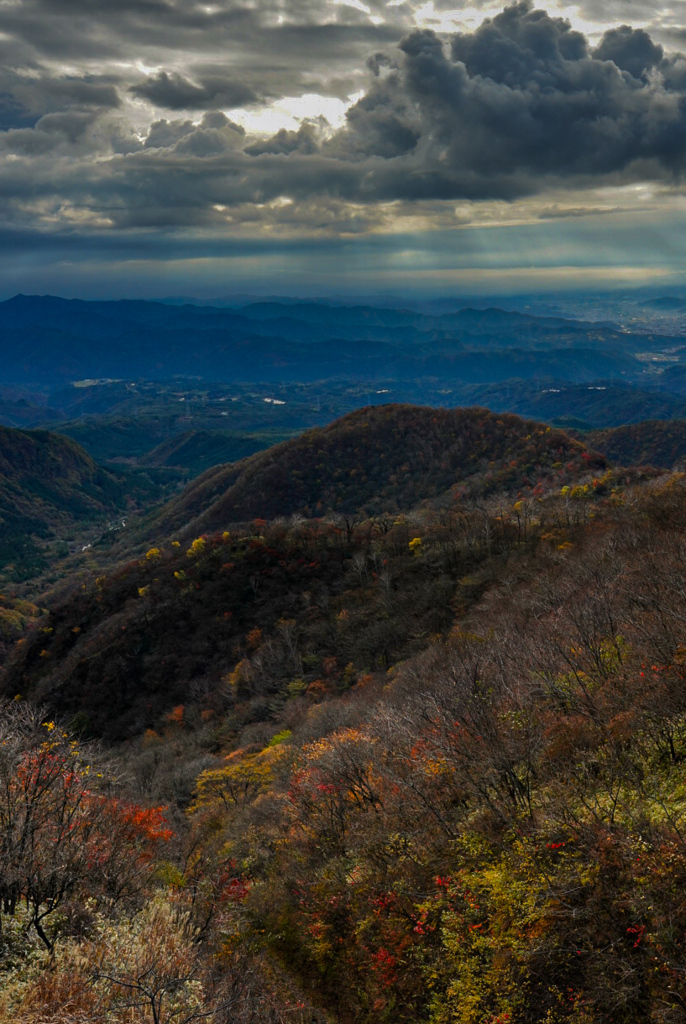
{"x": 378, "y": 459}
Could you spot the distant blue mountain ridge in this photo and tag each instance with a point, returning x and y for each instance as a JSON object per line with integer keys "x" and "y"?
{"x": 46, "y": 340}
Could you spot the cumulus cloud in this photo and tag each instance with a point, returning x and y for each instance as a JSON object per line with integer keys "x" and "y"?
{"x": 285, "y": 142}
{"x": 518, "y": 102}
{"x": 630, "y": 49}
{"x": 176, "y": 135}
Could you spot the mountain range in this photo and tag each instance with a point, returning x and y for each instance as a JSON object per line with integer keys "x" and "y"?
{"x": 47, "y": 340}
{"x": 377, "y": 459}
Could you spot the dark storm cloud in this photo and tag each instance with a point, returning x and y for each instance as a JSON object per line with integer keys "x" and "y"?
{"x": 505, "y": 111}
{"x": 384, "y": 123}
{"x": 177, "y": 93}
{"x": 520, "y": 106}
{"x": 630, "y": 49}
{"x": 24, "y": 98}
{"x": 519, "y": 101}
{"x": 225, "y": 55}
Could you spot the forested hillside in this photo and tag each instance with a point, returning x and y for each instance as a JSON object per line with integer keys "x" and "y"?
{"x": 50, "y": 491}
{"x": 380, "y": 459}
{"x": 649, "y": 443}
{"x": 130, "y": 645}
{"x": 420, "y": 764}
{"x": 47, "y": 482}
{"x": 495, "y": 831}
{"x": 198, "y": 450}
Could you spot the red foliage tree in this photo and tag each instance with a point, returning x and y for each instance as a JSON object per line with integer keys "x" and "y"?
{"x": 61, "y": 833}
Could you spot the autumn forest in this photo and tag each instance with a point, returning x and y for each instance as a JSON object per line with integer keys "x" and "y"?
{"x": 420, "y": 759}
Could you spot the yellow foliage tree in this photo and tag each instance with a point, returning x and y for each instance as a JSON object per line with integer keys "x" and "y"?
{"x": 241, "y": 779}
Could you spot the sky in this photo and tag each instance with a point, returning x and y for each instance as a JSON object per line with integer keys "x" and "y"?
{"x": 309, "y": 147}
